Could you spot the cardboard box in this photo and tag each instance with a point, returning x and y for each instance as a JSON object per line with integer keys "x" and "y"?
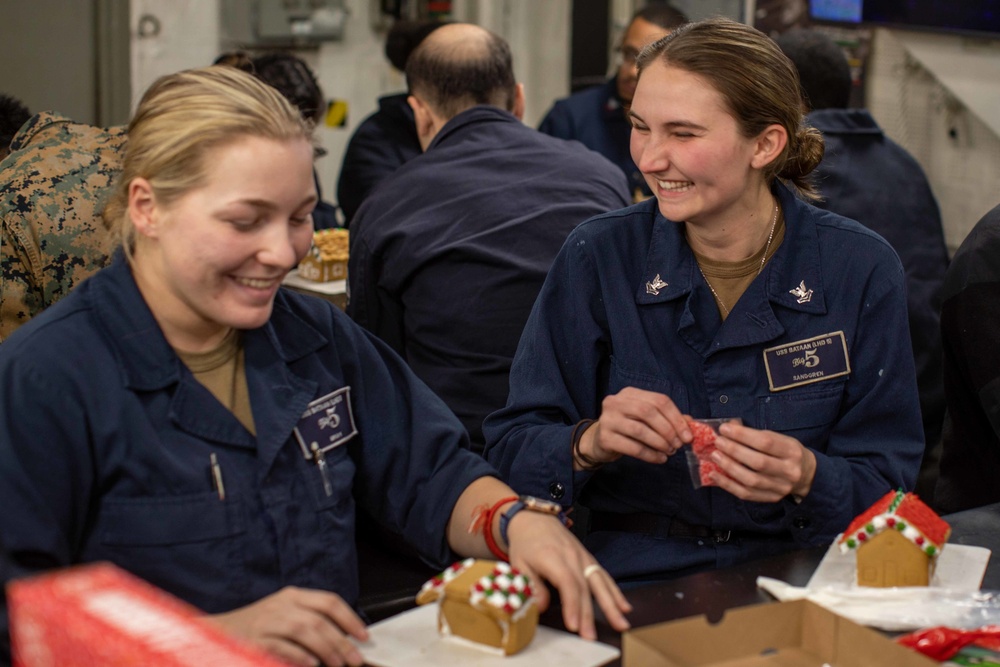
{"x": 788, "y": 634}
{"x": 99, "y": 615}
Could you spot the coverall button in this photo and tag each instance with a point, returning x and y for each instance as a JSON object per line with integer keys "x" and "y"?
{"x": 801, "y": 522}
{"x": 723, "y": 399}
{"x": 557, "y": 490}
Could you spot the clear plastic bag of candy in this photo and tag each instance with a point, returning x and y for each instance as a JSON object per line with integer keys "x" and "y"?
{"x": 699, "y": 453}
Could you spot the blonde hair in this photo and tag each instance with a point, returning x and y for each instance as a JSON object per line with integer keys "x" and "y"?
{"x": 758, "y": 82}
{"x": 181, "y": 118}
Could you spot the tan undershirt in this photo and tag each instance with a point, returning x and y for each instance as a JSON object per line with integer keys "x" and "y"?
{"x": 731, "y": 279}
{"x": 224, "y": 373}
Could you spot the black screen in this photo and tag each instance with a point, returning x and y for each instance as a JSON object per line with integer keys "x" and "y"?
{"x": 972, "y": 16}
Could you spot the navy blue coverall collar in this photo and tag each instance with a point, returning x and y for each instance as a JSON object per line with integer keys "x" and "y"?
{"x": 477, "y": 114}
{"x": 752, "y": 319}
{"x": 149, "y": 364}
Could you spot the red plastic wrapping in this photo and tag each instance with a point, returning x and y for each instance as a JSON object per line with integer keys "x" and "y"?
{"x": 942, "y": 643}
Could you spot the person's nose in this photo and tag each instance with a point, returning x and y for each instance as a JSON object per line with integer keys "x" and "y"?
{"x": 280, "y": 246}
{"x": 650, "y": 154}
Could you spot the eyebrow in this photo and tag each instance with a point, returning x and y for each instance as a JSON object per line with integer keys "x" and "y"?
{"x": 671, "y": 125}
{"x": 270, "y": 206}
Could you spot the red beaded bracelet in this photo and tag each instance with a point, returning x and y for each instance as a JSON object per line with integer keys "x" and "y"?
{"x": 483, "y": 520}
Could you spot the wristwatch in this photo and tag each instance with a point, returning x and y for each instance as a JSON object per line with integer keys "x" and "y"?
{"x": 535, "y": 505}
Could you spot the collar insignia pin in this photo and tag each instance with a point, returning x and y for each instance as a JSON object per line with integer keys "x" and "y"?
{"x": 655, "y": 286}
{"x": 803, "y": 294}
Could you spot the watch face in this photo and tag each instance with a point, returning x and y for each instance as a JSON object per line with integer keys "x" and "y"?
{"x": 541, "y": 505}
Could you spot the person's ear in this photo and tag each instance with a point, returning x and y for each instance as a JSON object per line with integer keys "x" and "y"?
{"x": 142, "y": 209}
{"x": 769, "y": 145}
{"x": 519, "y": 103}
{"x": 424, "y": 120}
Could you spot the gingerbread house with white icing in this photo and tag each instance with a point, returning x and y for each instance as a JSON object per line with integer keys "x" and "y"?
{"x": 487, "y": 603}
{"x": 898, "y": 541}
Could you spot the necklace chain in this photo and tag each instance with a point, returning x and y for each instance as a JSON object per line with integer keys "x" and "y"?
{"x": 767, "y": 248}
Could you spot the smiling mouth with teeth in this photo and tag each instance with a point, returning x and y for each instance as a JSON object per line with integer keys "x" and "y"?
{"x": 675, "y": 186}
{"x": 256, "y": 283}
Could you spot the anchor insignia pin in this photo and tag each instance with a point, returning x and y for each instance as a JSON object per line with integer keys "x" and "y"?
{"x": 655, "y": 286}
{"x": 803, "y": 294}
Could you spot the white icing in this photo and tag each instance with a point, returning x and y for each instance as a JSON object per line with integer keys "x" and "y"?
{"x": 502, "y": 582}
{"x": 881, "y": 523}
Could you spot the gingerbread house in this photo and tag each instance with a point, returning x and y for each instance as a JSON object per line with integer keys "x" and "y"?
{"x": 898, "y": 540}
{"x": 487, "y": 603}
{"x": 327, "y": 258}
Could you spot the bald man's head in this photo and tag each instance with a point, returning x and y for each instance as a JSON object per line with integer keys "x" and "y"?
{"x": 459, "y": 66}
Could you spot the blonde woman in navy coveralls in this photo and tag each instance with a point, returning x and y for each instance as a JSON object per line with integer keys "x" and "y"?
{"x": 183, "y": 416}
{"x": 726, "y": 295}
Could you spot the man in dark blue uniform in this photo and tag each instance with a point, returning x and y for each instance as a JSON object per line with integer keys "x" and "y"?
{"x": 970, "y": 455}
{"x": 868, "y": 177}
{"x": 386, "y": 139}
{"x": 448, "y": 254}
{"x": 596, "y": 116}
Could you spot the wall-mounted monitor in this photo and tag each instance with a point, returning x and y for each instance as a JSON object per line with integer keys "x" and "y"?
{"x": 836, "y": 11}
{"x": 966, "y": 16}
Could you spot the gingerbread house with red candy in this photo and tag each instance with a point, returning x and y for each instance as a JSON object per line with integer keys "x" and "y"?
{"x": 898, "y": 541}
{"x": 487, "y": 603}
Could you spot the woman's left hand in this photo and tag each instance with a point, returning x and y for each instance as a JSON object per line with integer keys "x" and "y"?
{"x": 544, "y": 550}
{"x": 762, "y": 466}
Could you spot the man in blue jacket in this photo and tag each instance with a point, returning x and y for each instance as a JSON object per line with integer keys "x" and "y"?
{"x": 448, "y": 254}
{"x": 868, "y": 177}
{"x": 597, "y": 116}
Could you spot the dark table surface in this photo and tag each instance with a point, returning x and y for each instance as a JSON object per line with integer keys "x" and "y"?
{"x": 711, "y": 593}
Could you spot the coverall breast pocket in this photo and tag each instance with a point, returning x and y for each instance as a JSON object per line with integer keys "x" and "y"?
{"x": 190, "y": 541}
{"x": 807, "y": 416}
{"x": 621, "y": 378}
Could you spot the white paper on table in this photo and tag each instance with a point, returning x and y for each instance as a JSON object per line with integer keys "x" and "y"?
{"x": 412, "y": 639}
{"x": 960, "y": 567}
{"x": 293, "y": 279}
{"x": 952, "y": 599}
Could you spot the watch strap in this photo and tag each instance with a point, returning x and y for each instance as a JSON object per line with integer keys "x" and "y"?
{"x": 507, "y": 516}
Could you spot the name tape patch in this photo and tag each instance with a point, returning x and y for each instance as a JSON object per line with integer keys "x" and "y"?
{"x": 807, "y": 361}
{"x": 328, "y": 422}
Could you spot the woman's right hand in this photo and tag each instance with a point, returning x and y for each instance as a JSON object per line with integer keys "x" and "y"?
{"x": 300, "y": 626}
{"x": 634, "y": 422}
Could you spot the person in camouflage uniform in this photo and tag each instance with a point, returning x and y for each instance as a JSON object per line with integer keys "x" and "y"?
{"x": 52, "y": 189}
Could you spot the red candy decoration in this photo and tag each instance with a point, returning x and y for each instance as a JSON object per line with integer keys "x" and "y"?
{"x": 703, "y": 447}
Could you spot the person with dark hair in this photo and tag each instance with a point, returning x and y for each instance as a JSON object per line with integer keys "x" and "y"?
{"x": 868, "y": 177}
{"x": 291, "y": 77}
{"x": 213, "y": 433}
{"x": 448, "y": 254}
{"x": 387, "y": 138}
{"x": 13, "y": 114}
{"x": 598, "y": 116}
{"x": 970, "y": 453}
{"x": 728, "y": 297}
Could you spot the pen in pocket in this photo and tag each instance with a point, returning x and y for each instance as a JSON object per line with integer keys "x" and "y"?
{"x": 220, "y": 488}
{"x": 320, "y": 460}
